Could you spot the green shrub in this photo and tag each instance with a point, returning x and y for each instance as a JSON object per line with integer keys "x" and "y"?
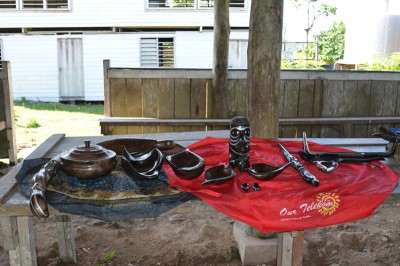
{"x": 379, "y": 63}
{"x": 33, "y": 124}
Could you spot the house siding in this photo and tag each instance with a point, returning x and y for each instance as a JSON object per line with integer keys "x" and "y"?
{"x": 35, "y": 59}
{"x": 122, "y": 13}
{"x": 34, "y": 54}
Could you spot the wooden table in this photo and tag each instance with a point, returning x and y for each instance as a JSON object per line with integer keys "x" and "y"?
{"x": 16, "y": 217}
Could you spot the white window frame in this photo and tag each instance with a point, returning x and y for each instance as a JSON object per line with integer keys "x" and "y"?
{"x": 44, "y": 5}
{"x": 170, "y": 5}
{"x": 150, "y": 51}
{"x": 210, "y": 7}
{"x": 196, "y": 6}
{"x": 9, "y": 8}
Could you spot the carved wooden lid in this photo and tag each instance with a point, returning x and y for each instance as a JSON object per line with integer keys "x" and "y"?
{"x": 88, "y": 152}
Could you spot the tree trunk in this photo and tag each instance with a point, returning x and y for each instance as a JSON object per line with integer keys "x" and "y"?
{"x": 220, "y": 59}
{"x": 264, "y": 63}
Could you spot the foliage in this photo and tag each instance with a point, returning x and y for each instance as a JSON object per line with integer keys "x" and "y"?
{"x": 314, "y": 11}
{"x": 300, "y": 64}
{"x": 331, "y": 43}
{"x": 33, "y": 124}
{"x": 86, "y": 108}
{"x": 379, "y": 63}
{"x": 108, "y": 257}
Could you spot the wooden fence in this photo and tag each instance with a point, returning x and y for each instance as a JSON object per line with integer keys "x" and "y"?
{"x": 7, "y": 125}
{"x": 184, "y": 94}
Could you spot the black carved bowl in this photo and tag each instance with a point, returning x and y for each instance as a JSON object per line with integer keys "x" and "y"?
{"x": 218, "y": 174}
{"x": 186, "y": 164}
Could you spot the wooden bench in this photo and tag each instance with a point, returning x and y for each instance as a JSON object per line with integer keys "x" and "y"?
{"x": 108, "y": 124}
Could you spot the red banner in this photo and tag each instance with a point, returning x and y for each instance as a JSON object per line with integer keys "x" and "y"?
{"x": 287, "y": 203}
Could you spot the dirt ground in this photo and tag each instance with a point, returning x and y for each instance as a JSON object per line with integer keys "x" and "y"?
{"x": 196, "y": 234}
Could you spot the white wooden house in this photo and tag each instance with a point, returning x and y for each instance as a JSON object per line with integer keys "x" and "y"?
{"x": 57, "y": 47}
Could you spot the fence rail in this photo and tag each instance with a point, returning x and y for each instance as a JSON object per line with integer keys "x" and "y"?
{"x": 320, "y": 95}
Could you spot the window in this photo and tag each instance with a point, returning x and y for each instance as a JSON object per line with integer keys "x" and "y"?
{"x": 6, "y": 4}
{"x": 191, "y": 3}
{"x": 45, "y": 4}
{"x": 210, "y": 3}
{"x": 36, "y": 4}
{"x": 171, "y": 3}
{"x": 157, "y": 52}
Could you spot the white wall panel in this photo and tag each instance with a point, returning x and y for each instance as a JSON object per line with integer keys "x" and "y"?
{"x": 122, "y": 13}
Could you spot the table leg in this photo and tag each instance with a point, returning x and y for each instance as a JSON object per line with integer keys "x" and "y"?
{"x": 26, "y": 238}
{"x": 19, "y": 240}
{"x": 9, "y": 232}
{"x": 66, "y": 240}
{"x": 290, "y": 248}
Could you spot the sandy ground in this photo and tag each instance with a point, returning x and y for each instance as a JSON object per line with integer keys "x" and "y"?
{"x": 195, "y": 234}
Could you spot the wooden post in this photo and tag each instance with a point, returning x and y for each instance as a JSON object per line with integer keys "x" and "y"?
{"x": 66, "y": 240}
{"x": 107, "y": 94}
{"x": 27, "y": 245}
{"x": 219, "y": 105}
{"x": 9, "y": 112}
{"x": 9, "y": 232}
{"x": 264, "y": 62}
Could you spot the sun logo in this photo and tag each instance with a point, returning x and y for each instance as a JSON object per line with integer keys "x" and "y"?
{"x": 329, "y": 203}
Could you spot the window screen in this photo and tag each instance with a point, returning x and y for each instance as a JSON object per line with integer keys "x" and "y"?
{"x": 157, "y": 52}
{"x": 5, "y": 4}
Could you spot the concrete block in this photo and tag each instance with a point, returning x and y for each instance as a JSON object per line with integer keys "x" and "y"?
{"x": 254, "y": 250}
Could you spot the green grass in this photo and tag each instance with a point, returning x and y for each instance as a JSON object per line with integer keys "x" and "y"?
{"x": 35, "y": 122}
{"x": 87, "y": 108}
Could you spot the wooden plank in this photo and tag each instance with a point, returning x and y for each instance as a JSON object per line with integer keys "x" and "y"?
{"x": 107, "y": 92}
{"x": 134, "y": 97}
{"x": 236, "y": 92}
{"x": 26, "y": 237}
{"x": 2, "y": 125}
{"x": 125, "y": 121}
{"x": 390, "y": 101}
{"x": 182, "y": 101}
{"x": 397, "y": 109}
{"x": 14, "y": 255}
{"x": 285, "y": 249}
{"x": 317, "y": 106}
{"x": 166, "y": 102}
{"x": 306, "y": 104}
{"x": 298, "y": 245}
{"x": 134, "y": 103}
{"x": 377, "y": 103}
{"x": 362, "y": 106}
{"x": 332, "y": 106}
{"x": 348, "y": 99}
{"x": 290, "y": 106}
{"x": 66, "y": 240}
{"x": 118, "y": 94}
{"x": 9, "y": 232}
{"x": 281, "y": 102}
{"x": 198, "y": 96}
{"x": 9, "y": 112}
{"x": 150, "y": 102}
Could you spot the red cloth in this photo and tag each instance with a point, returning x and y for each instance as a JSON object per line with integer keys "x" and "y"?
{"x": 287, "y": 203}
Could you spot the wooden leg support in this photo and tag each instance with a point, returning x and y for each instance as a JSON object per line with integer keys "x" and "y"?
{"x": 19, "y": 240}
{"x": 290, "y": 248}
{"x": 66, "y": 240}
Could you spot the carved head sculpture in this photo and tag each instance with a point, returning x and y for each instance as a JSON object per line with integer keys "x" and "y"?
{"x": 239, "y": 143}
